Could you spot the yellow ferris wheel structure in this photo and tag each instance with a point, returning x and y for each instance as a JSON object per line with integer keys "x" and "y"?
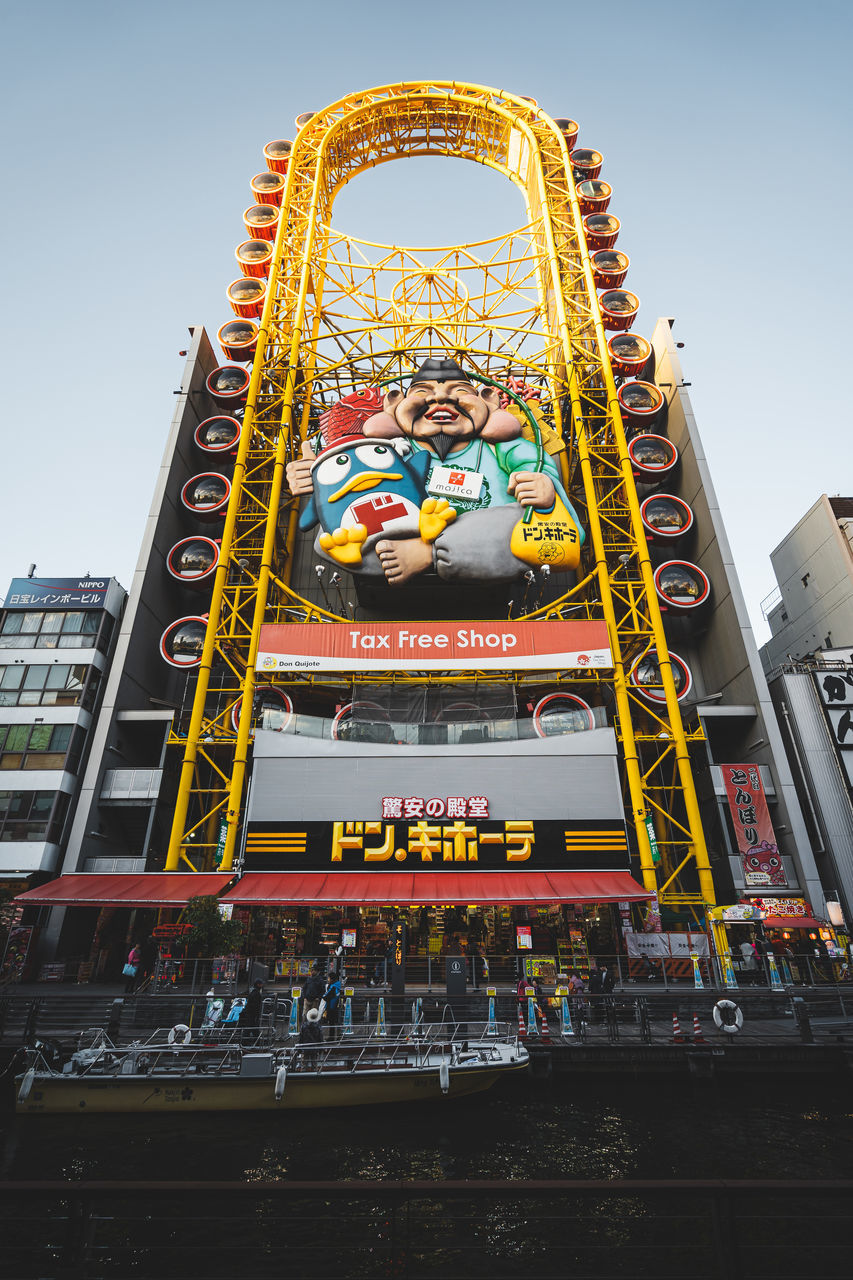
{"x": 341, "y": 315}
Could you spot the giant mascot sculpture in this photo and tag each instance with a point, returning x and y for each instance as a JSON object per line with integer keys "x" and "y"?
{"x": 438, "y": 480}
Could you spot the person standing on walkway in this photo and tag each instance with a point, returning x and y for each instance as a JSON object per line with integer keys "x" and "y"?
{"x": 250, "y": 1018}
{"x": 131, "y": 969}
{"x": 332, "y": 1001}
{"x": 314, "y": 987}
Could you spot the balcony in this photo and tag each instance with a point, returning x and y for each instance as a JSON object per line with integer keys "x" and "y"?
{"x": 131, "y": 786}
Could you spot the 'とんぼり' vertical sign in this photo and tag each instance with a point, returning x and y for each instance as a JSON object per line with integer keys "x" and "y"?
{"x": 754, "y": 834}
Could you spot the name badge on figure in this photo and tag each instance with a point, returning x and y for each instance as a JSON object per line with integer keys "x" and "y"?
{"x": 453, "y": 482}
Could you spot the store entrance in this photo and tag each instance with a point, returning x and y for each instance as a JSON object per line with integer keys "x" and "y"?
{"x": 499, "y": 943}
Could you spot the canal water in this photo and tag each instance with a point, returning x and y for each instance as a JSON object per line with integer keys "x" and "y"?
{"x": 577, "y": 1127}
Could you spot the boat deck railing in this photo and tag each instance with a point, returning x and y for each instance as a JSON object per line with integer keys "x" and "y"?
{"x": 221, "y": 1051}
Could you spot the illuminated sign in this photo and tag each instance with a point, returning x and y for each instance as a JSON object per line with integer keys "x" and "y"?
{"x": 496, "y": 645}
{"x": 458, "y": 845}
{"x": 754, "y": 834}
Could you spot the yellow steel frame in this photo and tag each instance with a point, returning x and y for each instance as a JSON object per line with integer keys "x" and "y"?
{"x": 342, "y": 314}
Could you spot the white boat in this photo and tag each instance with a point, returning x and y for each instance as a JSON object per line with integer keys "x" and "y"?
{"x": 175, "y": 1071}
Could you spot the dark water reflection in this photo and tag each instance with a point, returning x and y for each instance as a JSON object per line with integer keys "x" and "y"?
{"x": 574, "y": 1127}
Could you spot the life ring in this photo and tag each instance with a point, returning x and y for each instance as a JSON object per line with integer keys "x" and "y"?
{"x": 728, "y": 1017}
{"x": 180, "y": 1034}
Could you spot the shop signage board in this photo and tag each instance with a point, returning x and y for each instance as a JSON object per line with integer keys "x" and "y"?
{"x": 397, "y": 957}
{"x": 435, "y": 646}
{"x": 835, "y": 688}
{"x": 57, "y": 593}
{"x": 454, "y": 845}
{"x": 740, "y": 912}
{"x": 785, "y": 907}
{"x": 754, "y": 834}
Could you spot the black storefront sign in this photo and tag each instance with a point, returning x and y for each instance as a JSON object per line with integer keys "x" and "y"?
{"x": 461, "y": 845}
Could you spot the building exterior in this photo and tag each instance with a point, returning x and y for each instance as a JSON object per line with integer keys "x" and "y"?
{"x": 812, "y": 606}
{"x": 809, "y": 663}
{"x": 57, "y": 638}
{"x": 435, "y": 624}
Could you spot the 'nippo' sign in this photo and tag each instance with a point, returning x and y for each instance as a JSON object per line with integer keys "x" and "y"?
{"x": 431, "y": 646}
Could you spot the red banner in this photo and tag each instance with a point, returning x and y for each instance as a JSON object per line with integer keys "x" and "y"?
{"x": 435, "y": 646}
{"x": 754, "y": 834}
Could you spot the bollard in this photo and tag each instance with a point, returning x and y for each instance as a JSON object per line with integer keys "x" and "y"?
{"x": 32, "y": 1019}
{"x": 114, "y": 1020}
{"x": 645, "y": 1021}
{"x": 775, "y": 980}
{"x": 380, "y": 1018}
{"x": 804, "y": 1025}
{"x": 532, "y": 1024}
{"x": 697, "y": 974}
{"x": 729, "y": 979}
{"x": 492, "y": 1028}
{"x": 566, "y": 1028}
{"x": 293, "y": 1023}
{"x": 347, "y": 1028}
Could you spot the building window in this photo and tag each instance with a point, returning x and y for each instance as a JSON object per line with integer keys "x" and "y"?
{"x": 52, "y": 629}
{"x": 40, "y": 746}
{"x": 32, "y": 815}
{"x": 49, "y": 686}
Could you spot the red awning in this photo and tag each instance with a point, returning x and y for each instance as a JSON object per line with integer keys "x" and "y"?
{"x": 313, "y": 888}
{"x": 791, "y": 922}
{"x": 148, "y": 889}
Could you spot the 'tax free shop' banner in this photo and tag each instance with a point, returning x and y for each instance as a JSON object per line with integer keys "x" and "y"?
{"x": 435, "y": 646}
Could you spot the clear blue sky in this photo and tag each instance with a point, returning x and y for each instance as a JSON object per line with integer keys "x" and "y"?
{"x": 131, "y": 133}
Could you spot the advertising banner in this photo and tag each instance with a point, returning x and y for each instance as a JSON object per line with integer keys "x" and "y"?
{"x": 754, "y": 834}
{"x": 435, "y": 646}
{"x": 676, "y": 946}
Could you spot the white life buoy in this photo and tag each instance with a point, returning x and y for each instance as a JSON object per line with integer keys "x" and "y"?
{"x": 180, "y": 1034}
{"x": 728, "y": 1017}
{"x": 280, "y": 1082}
{"x": 444, "y": 1077}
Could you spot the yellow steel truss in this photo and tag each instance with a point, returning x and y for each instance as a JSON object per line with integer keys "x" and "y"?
{"x": 343, "y": 314}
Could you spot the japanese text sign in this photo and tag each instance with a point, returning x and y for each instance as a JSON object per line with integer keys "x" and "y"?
{"x": 754, "y": 834}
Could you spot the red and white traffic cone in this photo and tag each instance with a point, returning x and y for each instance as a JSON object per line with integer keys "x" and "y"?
{"x": 676, "y": 1030}
{"x": 546, "y": 1030}
{"x": 522, "y": 1025}
{"x": 698, "y": 1037}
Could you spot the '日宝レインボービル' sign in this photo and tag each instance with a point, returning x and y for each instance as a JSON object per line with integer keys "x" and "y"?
{"x": 435, "y": 646}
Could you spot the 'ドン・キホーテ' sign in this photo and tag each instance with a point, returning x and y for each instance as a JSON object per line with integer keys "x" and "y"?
{"x": 435, "y": 646}
{"x": 434, "y": 845}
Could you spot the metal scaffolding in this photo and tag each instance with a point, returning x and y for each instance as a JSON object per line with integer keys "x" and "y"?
{"x": 342, "y": 314}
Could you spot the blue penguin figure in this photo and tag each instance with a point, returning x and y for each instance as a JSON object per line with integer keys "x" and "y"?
{"x": 366, "y": 489}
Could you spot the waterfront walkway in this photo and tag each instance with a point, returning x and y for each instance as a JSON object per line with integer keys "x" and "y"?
{"x": 640, "y": 1027}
